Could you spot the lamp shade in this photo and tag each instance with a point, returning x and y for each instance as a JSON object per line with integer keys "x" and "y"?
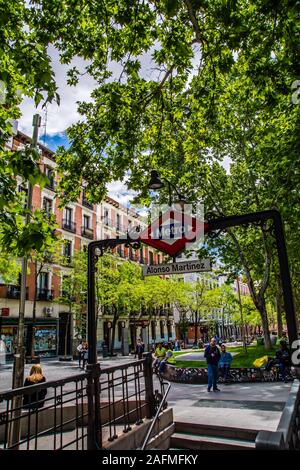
{"x": 155, "y": 181}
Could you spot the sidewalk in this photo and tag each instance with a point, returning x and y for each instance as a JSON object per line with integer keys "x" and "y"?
{"x": 255, "y": 406}
{"x": 55, "y": 369}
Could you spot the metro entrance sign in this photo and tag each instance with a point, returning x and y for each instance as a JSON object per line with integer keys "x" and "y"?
{"x": 171, "y": 231}
{"x": 177, "y": 268}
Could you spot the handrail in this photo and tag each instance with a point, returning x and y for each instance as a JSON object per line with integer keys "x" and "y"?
{"x": 282, "y": 438}
{"x": 156, "y": 415}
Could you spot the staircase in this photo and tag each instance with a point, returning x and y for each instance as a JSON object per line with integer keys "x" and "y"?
{"x": 211, "y": 437}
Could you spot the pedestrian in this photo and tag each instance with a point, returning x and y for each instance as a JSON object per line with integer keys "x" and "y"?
{"x": 212, "y": 356}
{"x": 34, "y": 400}
{"x": 85, "y": 352}
{"x": 177, "y": 345}
{"x": 283, "y": 357}
{"x": 225, "y": 362}
{"x": 80, "y": 353}
{"x": 139, "y": 349}
{"x": 159, "y": 354}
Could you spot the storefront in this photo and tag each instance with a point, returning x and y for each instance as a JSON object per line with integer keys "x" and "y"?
{"x": 45, "y": 336}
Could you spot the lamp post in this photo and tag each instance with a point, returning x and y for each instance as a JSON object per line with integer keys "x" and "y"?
{"x": 157, "y": 183}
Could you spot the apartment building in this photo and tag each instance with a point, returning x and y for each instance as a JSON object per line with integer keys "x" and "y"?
{"x": 78, "y": 224}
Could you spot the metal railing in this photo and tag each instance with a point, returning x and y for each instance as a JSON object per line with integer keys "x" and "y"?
{"x": 69, "y": 225}
{"x": 287, "y": 434}
{"x": 123, "y": 400}
{"x": 86, "y": 411}
{"x": 160, "y": 405}
{"x": 45, "y": 294}
{"x": 47, "y": 416}
{"x": 87, "y": 232}
{"x": 13, "y": 292}
{"x": 87, "y": 204}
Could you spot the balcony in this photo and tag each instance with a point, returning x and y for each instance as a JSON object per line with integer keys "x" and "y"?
{"x": 121, "y": 228}
{"x": 87, "y": 204}
{"x": 69, "y": 225}
{"x": 107, "y": 222}
{"x": 51, "y": 184}
{"x": 87, "y": 232}
{"x": 13, "y": 292}
{"x": 45, "y": 294}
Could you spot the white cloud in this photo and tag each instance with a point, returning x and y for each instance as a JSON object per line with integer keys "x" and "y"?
{"x": 59, "y": 117}
{"x": 119, "y": 191}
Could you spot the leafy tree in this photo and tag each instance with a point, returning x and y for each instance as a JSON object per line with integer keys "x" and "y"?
{"x": 118, "y": 289}
{"x": 25, "y": 70}
{"x": 9, "y": 269}
{"x": 74, "y": 293}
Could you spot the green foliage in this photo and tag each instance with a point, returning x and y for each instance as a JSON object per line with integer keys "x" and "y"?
{"x": 25, "y": 70}
{"x": 74, "y": 291}
{"x": 9, "y": 269}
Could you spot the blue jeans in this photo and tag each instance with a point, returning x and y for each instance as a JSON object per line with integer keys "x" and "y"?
{"x": 224, "y": 370}
{"x": 212, "y": 376}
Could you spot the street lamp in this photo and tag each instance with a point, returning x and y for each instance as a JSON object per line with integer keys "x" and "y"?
{"x": 157, "y": 183}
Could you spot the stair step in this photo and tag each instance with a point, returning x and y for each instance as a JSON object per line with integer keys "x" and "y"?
{"x": 213, "y": 430}
{"x": 197, "y": 442}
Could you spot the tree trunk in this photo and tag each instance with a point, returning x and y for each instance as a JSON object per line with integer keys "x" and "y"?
{"x": 265, "y": 324}
{"x": 113, "y": 333}
{"x": 279, "y": 308}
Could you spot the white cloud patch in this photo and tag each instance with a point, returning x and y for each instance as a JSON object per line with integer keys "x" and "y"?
{"x": 59, "y": 117}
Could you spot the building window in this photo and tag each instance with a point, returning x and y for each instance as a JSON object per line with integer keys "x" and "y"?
{"x": 118, "y": 222}
{"x": 68, "y": 250}
{"x": 43, "y": 280}
{"x": 141, "y": 255}
{"x": 86, "y": 221}
{"x": 151, "y": 257}
{"x": 68, "y": 215}
{"x": 49, "y": 172}
{"x": 47, "y": 205}
{"x": 158, "y": 259}
{"x": 106, "y": 216}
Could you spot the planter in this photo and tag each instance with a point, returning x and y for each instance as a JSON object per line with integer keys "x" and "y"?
{"x": 273, "y": 339}
{"x": 33, "y": 360}
{"x": 65, "y": 358}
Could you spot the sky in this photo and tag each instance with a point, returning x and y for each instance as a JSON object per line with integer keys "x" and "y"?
{"x": 56, "y": 119}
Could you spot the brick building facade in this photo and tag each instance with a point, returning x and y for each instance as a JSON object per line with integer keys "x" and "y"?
{"x": 78, "y": 224}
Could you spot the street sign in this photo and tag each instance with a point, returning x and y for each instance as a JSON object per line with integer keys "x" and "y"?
{"x": 182, "y": 267}
{"x": 172, "y": 231}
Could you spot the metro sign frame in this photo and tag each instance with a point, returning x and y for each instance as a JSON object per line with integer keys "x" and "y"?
{"x": 178, "y": 244}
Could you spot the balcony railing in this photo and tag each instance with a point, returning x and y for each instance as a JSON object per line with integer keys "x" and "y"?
{"x": 57, "y": 413}
{"x": 87, "y": 232}
{"x": 87, "y": 204}
{"x": 69, "y": 225}
{"x": 13, "y": 292}
{"x": 107, "y": 222}
{"x": 51, "y": 184}
{"x": 45, "y": 294}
